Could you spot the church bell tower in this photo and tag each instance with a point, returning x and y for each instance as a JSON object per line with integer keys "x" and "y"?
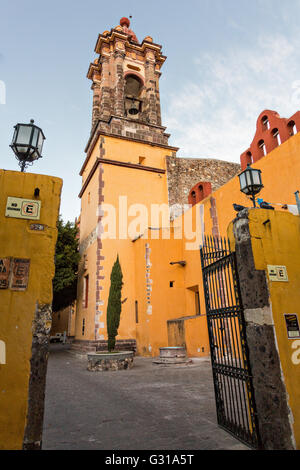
{"x": 125, "y": 168}
{"x": 125, "y": 84}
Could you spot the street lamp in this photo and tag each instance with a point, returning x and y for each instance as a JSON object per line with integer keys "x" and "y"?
{"x": 250, "y": 182}
{"x": 27, "y": 143}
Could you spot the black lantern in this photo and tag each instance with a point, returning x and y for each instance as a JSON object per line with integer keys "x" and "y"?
{"x": 27, "y": 143}
{"x": 250, "y": 182}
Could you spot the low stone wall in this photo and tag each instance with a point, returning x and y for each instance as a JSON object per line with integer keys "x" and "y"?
{"x": 86, "y": 346}
{"x": 121, "y": 345}
{"x": 110, "y": 361}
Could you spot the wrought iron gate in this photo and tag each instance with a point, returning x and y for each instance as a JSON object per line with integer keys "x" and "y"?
{"x": 230, "y": 365}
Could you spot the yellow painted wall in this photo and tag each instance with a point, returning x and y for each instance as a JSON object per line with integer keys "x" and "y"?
{"x": 60, "y": 321}
{"x": 140, "y": 187}
{"x": 64, "y": 321}
{"x": 197, "y": 344}
{"x": 17, "y": 309}
{"x": 277, "y": 243}
{"x": 281, "y": 178}
{"x": 88, "y": 314}
{"x": 167, "y": 302}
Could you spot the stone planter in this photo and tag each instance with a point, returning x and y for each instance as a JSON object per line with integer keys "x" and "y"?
{"x": 106, "y": 361}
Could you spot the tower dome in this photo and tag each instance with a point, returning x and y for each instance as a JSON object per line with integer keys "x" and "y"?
{"x": 125, "y": 23}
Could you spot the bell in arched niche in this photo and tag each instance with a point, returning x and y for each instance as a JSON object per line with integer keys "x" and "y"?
{"x": 133, "y": 101}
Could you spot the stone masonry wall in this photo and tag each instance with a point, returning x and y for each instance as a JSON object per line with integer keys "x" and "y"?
{"x": 184, "y": 173}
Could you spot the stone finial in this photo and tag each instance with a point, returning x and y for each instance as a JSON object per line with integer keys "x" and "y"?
{"x": 125, "y": 23}
{"x": 148, "y": 39}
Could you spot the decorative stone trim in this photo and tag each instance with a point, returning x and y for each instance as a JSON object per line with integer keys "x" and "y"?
{"x": 126, "y": 129}
{"x": 214, "y": 217}
{"x": 88, "y": 241}
{"x": 99, "y": 257}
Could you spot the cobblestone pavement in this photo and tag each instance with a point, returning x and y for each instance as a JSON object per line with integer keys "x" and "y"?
{"x": 150, "y": 407}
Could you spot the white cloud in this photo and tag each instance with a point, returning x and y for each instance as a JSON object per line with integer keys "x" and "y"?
{"x": 216, "y": 115}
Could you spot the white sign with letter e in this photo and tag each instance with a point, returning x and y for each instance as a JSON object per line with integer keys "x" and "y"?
{"x": 23, "y": 208}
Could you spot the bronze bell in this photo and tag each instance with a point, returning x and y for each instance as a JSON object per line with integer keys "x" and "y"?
{"x": 134, "y": 107}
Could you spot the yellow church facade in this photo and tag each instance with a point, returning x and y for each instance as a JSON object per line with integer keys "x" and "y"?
{"x": 127, "y": 189}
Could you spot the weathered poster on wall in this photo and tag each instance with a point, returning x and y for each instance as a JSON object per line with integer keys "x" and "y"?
{"x": 292, "y": 325}
{"x": 20, "y": 274}
{"x": 4, "y": 272}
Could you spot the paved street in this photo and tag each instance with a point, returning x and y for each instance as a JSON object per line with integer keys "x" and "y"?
{"x": 150, "y": 407}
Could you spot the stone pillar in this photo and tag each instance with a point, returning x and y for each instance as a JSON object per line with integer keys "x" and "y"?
{"x": 273, "y": 413}
{"x": 119, "y": 83}
{"x": 105, "y": 99}
{"x": 96, "y": 103}
{"x": 151, "y": 95}
{"x": 157, "y": 97}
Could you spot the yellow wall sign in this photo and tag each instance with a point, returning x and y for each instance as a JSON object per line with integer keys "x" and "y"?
{"x": 23, "y": 208}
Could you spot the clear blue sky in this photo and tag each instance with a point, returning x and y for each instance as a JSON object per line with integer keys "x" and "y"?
{"x": 227, "y": 61}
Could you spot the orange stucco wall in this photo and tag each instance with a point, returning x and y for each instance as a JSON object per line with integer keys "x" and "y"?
{"x": 139, "y": 187}
{"x": 281, "y": 178}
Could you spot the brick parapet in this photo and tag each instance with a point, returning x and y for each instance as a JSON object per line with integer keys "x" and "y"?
{"x": 271, "y": 131}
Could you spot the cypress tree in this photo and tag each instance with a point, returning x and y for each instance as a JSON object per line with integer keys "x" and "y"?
{"x": 114, "y": 305}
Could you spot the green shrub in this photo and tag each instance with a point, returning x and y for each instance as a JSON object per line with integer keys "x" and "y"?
{"x": 114, "y": 305}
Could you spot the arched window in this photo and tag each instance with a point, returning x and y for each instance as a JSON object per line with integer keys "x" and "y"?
{"x": 133, "y": 88}
{"x": 265, "y": 122}
{"x": 292, "y": 128}
{"x": 201, "y": 192}
{"x": 276, "y": 135}
{"x": 193, "y": 194}
{"x": 262, "y": 146}
{"x": 249, "y": 158}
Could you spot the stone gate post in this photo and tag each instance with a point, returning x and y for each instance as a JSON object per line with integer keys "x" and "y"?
{"x": 268, "y": 242}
